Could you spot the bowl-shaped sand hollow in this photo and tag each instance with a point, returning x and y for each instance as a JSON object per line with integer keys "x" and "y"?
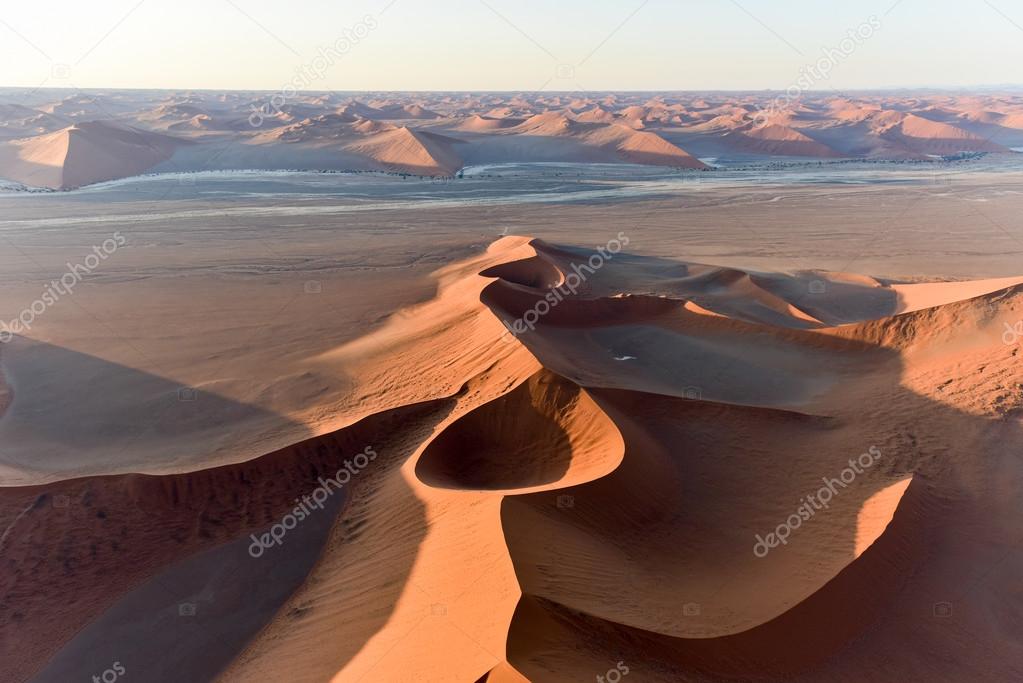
{"x": 547, "y": 431}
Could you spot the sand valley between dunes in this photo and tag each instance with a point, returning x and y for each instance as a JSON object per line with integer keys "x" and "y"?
{"x": 561, "y": 483}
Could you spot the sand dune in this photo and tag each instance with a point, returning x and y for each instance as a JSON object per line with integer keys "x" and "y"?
{"x": 589, "y": 491}
{"x": 84, "y": 153}
{"x": 370, "y": 126}
{"x": 597, "y": 140}
{"x": 641, "y": 147}
{"x": 485, "y": 123}
{"x": 932, "y": 137}
{"x": 549, "y": 124}
{"x": 315, "y": 130}
{"x": 408, "y": 151}
{"x": 595, "y": 115}
{"x": 776, "y": 139}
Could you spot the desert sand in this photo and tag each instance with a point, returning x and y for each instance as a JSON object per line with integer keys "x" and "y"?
{"x": 63, "y": 141}
{"x": 681, "y": 426}
{"x": 551, "y": 503}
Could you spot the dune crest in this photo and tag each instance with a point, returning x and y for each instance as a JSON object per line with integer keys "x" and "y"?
{"x": 84, "y": 153}
{"x": 781, "y": 140}
{"x": 409, "y": 151}
{"x": 601, "y": 480}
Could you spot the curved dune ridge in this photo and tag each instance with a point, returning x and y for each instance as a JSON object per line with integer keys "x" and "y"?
{"x": 594, "y": 460}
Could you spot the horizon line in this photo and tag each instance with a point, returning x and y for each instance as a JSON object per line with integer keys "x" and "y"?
{"x": 837, "y": 92}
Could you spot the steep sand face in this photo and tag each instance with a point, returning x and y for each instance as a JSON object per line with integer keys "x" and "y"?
{"x": 79, "y": 545}
{"x": 328, "y": 132}
{"x": 409, "y": 151}
{"x": 368, "y": 126}
{"x": 583, "y": 141}
{"x": 932, "y": 137}
{"x": 640, "y": 147}
{"x": 595, "y": 115}
{"x": 781, "y": 140}
{"x": 83, "y": 154}
{"x": 549, "y": 124}
{"x": 547, "y": 431}
{"x": 679, "y": 470}
{"x": 477, "y": 123}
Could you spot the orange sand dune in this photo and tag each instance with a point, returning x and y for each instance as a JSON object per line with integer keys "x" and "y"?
{"x": 595, "y": 115}
{"x": 410, "y": 151}
{"x": 550, "y": 124}
{"x": 641, "y": 147}
{"x": 592, "y": 461}
{"x": 369, "y": 126}
{"x": 625, "y": 143}
{"x": 84, "y": 153}
{"x": 779, "y": 140}
{"x": 932, "y": 137}
{"x": 485, "y": 123}
{"x": 317, "y": 131}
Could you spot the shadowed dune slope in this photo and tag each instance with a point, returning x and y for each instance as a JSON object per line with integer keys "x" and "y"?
{"x": 85, "y": 153}
{"x": 410, "y": 151}
{"x": 858, "y": 457}
{"x": 595, "y": 460}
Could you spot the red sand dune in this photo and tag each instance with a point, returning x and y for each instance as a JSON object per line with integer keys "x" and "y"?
{"x": 408, "y": 151}
{"x": 588, "y": 492}
{"x": 315, "y": 131}
{"x": 640, "y": 147}
{"x": 84, "y": 153}
{"x": 931, "y": 137}
{"x": 595, "y": 115}
{"x": 479, "y": 123}
{"x": 776, "y": 139}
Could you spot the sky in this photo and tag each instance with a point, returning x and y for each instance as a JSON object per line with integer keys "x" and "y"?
{"x": 528, "y": 45}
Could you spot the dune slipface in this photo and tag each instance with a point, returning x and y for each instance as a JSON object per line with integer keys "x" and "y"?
{"x": 592, "y": 460}
{"x": 75, "y": 140}
{"x": 85, "y": 153}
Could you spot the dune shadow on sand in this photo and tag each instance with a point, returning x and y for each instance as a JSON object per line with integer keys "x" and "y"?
{"x": 159, "y": 573}
{"x": 75, "y": 414}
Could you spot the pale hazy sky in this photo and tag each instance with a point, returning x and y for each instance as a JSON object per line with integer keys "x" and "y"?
{"x": 505, "y": 44}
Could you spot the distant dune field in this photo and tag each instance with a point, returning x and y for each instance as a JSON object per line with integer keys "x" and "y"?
{"x": 89, "y": 137}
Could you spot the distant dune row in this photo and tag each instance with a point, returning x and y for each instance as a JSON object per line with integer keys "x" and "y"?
{"x": 89, "y": 138}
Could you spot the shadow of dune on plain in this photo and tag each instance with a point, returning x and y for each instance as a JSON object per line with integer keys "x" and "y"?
{"x": 98, "y": 569}
{"x": 74, "y": 414}
{"x": 654, "y": 564}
